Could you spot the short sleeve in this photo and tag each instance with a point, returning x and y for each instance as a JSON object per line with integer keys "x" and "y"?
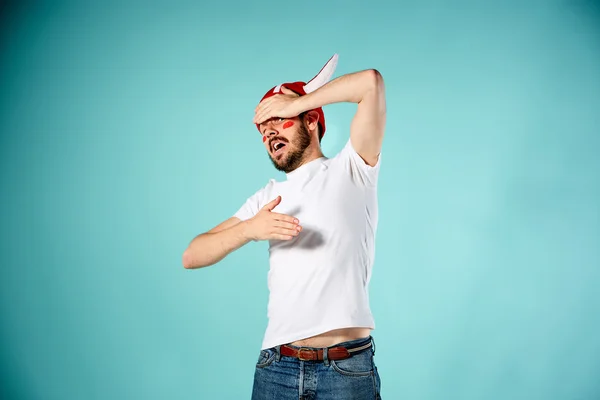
{"x": 252, "y": 205}
{"x": 250, "y": 208}
{"x": 361, "y": 173}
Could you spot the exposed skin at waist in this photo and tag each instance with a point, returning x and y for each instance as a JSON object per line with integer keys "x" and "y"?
{"x": 333, "y": 337}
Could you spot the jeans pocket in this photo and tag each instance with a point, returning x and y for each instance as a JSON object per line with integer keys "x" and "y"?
{"x": 358, "y": 365}
{"x": 265, "y": 358}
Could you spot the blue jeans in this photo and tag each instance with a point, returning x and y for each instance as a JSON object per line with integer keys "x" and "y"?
{"x": 279, "y": 377}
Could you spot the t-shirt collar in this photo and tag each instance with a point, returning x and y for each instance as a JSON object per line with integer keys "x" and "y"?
{"x": 307, "y": 169}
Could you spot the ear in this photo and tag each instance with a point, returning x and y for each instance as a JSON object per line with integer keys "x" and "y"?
{"x": 312, "y": 120}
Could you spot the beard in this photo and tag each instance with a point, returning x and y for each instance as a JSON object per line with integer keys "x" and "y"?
{"x": 295, "y": 153}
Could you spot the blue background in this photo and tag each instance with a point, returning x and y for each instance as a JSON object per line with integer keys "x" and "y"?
{"x": 126, "y": 130}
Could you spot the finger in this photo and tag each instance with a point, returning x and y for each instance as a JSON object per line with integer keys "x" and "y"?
{"x": 272, "y": 204}
{"x": 258, "y": 114}
{"x": 288, "y": 225}
{"x": 263, "y": 115}
{"x": 264, "y": 105}
{"x": 264, "y": 102}
{"x": 287, "y": 232}
{"x": 281, "y": 237}
{"x": 285, "y": 218}
{"x": 259, "y": 109}
{"x": 288, "y": 91}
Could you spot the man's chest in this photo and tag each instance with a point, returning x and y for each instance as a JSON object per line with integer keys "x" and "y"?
{"x": 322, "y": 204}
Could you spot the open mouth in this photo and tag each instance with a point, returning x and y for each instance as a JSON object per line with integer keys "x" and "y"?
{"x": 277, "y": 147}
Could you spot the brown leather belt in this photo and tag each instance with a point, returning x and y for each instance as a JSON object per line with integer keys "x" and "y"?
{"x": 333, "y": 353}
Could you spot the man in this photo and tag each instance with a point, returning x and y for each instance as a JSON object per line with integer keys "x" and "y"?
{"x": 320, "y": 223}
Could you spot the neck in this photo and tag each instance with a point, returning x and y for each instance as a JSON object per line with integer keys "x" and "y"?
{"x": 311, "y": 155}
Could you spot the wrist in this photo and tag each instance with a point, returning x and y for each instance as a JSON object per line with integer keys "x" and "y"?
{"x": 304, "y": 103}
{"x": 245, "y": 231}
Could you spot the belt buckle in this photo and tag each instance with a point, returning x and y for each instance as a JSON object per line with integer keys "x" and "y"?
{"x": 300, "y": 352}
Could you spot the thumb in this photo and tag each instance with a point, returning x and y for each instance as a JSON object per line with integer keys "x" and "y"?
{"x": 285, "y": 90}
{"x": 271, "y": 205}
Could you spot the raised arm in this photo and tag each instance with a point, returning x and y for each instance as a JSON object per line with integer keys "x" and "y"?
{"x": 211, "y": 247}
{"x": 366, "y": 88}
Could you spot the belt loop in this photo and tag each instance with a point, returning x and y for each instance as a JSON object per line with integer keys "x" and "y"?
{"x": 325, "y": 358}
{"x": 373, "y": 344}
{"x": 278, "y": 351}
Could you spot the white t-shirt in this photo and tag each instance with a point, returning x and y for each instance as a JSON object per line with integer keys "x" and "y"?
{"x": 318, "y": 281}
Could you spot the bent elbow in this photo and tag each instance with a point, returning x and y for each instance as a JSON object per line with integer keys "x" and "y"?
{"x": 376, "y": 79}
{"x": 186, "y": 260}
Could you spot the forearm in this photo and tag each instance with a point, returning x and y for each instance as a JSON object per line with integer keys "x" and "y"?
{"x": 349, "y": 88}
{"x": 209, "y": 248}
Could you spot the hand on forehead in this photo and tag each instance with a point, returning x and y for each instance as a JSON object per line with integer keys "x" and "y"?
{"x": 282, "y": 105}
{"x": 283, "y": 93}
